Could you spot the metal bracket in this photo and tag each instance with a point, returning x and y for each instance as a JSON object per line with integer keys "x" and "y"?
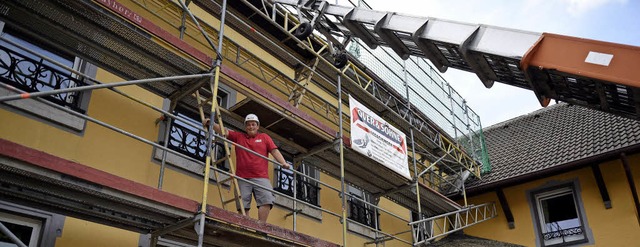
{"x": 200, "y": 206}
{"x": 297, "y": 211}
{"x": 171, "y": 228}
{"x": 601, "y": 186}
{"x": 505, "y": 208}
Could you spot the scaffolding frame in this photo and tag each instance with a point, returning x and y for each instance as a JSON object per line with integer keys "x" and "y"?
{"x": 201, "y": 215}
{"x": 422, "y": 125}
{"x": 456, "y": 155}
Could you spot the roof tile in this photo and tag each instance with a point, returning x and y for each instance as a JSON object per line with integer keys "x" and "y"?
{"x": 553, "y": 136}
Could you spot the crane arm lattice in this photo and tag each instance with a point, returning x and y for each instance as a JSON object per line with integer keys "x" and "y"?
{"x": 584, "y": 72}
{"x": 426, "y": 230}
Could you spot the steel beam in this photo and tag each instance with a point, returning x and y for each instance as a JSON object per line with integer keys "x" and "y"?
{"x": 632, "y": 184}
{"x": 505, "y": 208}
{"x": 602, "y": 187}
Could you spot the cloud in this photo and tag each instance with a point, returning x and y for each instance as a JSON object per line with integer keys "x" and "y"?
{"x": 579, "y": 7}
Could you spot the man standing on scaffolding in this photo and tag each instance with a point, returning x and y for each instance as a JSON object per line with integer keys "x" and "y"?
{"x": 251, "y": 167}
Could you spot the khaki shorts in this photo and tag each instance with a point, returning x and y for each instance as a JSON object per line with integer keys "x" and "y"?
{"x": 263, "y": 196}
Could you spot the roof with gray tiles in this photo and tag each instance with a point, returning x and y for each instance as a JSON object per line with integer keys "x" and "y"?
{"x": 551, "y": 137}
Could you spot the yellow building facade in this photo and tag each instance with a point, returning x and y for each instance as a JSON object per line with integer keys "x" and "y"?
{"x": 119, "y": 157}
{"x": 108, "y": 181}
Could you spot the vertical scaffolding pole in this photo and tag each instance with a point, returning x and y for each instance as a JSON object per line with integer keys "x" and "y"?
{"x": 207, "y": 166}
{"x": 214, "y": 82}
{"x": 183, "y": 26}
{"x": 464, "y": 191}
{"x": 413, "y": 145}
{"x": 453, "y": 113}
{"x": 471, "y": 147}
{"x": 164, "y": 153}
{"x": 295, "y": 201}
{"x": 223, "y": 12}
{"x": 342, "y": 184}
{"x": 375, "y": 223}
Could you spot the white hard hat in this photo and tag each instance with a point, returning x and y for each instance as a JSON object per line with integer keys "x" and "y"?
{"x": 251, "y": 117}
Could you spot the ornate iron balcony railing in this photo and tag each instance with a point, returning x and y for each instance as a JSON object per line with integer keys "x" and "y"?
{"x": 32, "y": 75}
{"x": 185, "y": 140}
{"x": 305, "y": 190}
{"x": 359, "y": 212}
{"x": 561, "y": 233}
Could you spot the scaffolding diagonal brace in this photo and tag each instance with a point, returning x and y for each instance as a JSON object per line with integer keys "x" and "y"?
{"x": 177, "y": 226}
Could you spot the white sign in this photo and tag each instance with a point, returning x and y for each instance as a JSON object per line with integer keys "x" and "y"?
{"x": 375, "y": 138}
{"x": 598, "y": 58}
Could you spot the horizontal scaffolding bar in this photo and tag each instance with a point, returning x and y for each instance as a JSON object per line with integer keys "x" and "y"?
{"x": 27, "y": 95}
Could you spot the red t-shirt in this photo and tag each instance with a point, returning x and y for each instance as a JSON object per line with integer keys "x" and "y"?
{"x": 249, "y": 165}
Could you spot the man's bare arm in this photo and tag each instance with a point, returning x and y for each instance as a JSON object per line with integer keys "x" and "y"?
{"x": 216, "y": 127}
{"x": 278, "y": 156}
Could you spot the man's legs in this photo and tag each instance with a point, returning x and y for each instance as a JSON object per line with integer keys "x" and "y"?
{"x": 264, "y": 198}
{"x": 245, "y": 193}
{"x": 246, "y": 211}
{"x": 263, "y": 212}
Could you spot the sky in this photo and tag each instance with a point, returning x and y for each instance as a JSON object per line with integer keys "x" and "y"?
{"x": 615, "y": 21}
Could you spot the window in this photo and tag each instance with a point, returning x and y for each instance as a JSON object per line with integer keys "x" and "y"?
{"x": 361, "y": 212}
{"x": 27, "y": 230}
{"x": 307, "y": 189}
{"x": 32, "y": 227}
{"x": 559, "y": 218}
{"x": 191, "y": 141}
{"x": 26, "y": 70}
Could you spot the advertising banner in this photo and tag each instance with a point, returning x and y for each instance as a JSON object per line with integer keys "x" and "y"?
{"x": 378, "y": 140}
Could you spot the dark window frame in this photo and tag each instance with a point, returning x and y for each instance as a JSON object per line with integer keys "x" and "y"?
{"x": 28, "y": 72}
{"x": 192, "y": 142}
{"x": 307, "y": 189}
{"x": 51, "y": 226}
{"x": 555, "y": 192}
{"x": 361, "y": 212}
